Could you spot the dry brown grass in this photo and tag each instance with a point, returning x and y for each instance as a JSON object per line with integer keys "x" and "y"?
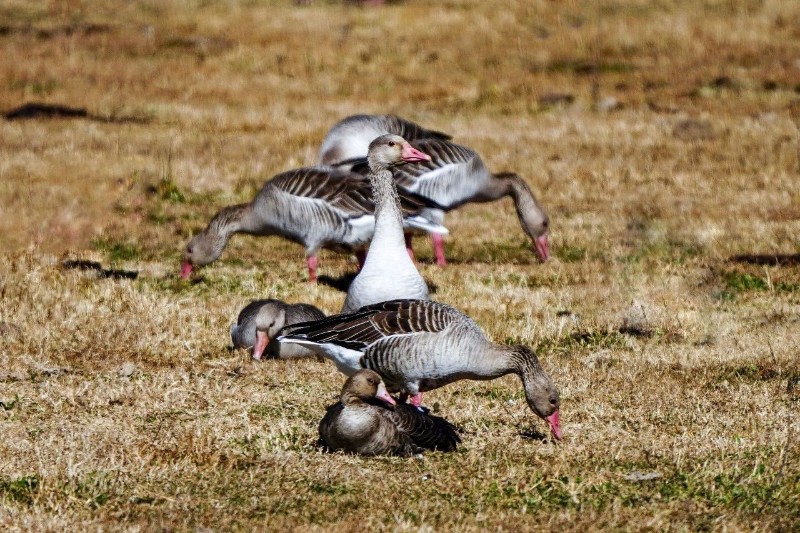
{"x": 670, "y": 358}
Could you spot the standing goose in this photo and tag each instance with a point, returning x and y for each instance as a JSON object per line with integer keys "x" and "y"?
{"x": 418, "y": 345}
{"x": 318, "y": 207}
{"x": 388, "y": 271}
{"x": 348, "y": 140}
{"x": 456, "y": 175}
{"x": 366, "y": 420}
{"x": 260, "y": 321}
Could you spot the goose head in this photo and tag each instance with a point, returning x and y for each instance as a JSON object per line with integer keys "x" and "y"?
{"x": 540, "y": 392}
{"x": 203, "y": 249}
{"x": 532, "y": 216}
{"x": 364, "y": 387}
{"x": 269, "y": 320}
{"x": 390, "y": 150}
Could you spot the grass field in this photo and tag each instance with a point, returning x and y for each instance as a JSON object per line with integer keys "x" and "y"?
{"x": 662, "y": 138}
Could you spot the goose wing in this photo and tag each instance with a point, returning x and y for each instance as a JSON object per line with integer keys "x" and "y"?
{"x": 445, "y": 178}
{"x": 425, "y": 430}
{"x": 374, "y": 322}
{"x": 346, "y": 192}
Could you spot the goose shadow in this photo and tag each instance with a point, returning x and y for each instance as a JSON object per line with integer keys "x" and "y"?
{"x": 766, "y": 259}
{"x": 533, "y": 434}
{"x": 37, "y": 110}
{"x": 112, "y": 273}
{"x": 343, "y": 282}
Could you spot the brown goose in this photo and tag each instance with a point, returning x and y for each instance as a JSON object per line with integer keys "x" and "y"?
{"x": 260, "y": 321}
{"x": 388, "y": 271}
{"x": 348, "y": 140}
{"x": 420, "y": 345}
{"x": 366, "y": 420}
{"x": 318, "y": 207}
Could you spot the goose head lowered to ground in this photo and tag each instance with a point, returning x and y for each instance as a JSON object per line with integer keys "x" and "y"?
{"x": 421, "y": 345}
{"x": 259, "y": 322}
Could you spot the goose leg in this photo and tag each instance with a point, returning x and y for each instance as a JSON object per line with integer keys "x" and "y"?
{"x": 410, "y": 246}
{"x": 312, "y": 268}
{"x": 438, "y": 249}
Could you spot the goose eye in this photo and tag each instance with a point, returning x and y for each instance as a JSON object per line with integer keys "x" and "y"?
{"x": 391, "y": 143}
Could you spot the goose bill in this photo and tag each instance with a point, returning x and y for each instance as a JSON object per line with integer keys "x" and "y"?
{"x": 555, "y": 427}
{"x": 412, "y": 155}
{"x": 542, "y": 247}
{"x": 186, "y": 269}
{"x": 384, "y": 395}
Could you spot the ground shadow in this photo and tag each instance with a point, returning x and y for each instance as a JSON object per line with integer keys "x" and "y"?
{"x": 35, "y": 110}
{"x": 102, "y": 272}
{"x": 766, "y": 259}
{"x": 532, "y": 434}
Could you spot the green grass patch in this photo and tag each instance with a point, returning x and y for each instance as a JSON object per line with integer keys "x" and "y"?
{"x": 115, "y": 251}
{"x": 736, "y": 283}
{"x": 583, "y": 341}
{"x": 20, "y": 490}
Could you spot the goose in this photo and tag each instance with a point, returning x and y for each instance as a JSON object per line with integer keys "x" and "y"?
{"x": 260, "y": 320}
{"x": 318, "y": 207}
{"x": 366, "y": 420}
{"x": 456, "y": 175}
{"x": 388, "y": 271}
{"x": 348, "y": 140}
{"x": 421, "y": 345}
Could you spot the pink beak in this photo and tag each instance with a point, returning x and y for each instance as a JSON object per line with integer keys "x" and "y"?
{"x": 412, "y": 155}
{"x": 261, "y": 344}
{"x": 384, "y": 395}
{"x": 542, "y": 247}
{"x": 555, "y": 428}
{"x": 186, "y": 269}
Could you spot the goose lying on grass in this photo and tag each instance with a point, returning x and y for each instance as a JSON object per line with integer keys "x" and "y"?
{"x": 367, "y": 420}
{"x": 259, "y": 322}
{"x": 419, "y": 345}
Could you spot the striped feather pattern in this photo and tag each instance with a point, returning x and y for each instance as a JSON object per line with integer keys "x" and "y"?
{"x": 374, "y": 322}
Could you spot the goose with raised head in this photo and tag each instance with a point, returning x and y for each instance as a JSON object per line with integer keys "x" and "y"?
{"x": 318, "y": 207}
{"x": 259, "y": 322}
{"x": 418, "y": 345}
{"x": 366, "y": 420}
{"x": 348, "y": 140}
{"x": 388, "y": 272}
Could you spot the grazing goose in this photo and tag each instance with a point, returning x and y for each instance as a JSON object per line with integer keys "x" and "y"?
{"x": 418, "y": 345}
{"x": 363, "y": 422}
{"x": 348, "y": 140}
{"x": 259, "y": 322}
{"x": 388, "y": 271}
{"x": 456, "y": 175}
{"x": 318, "y": 207}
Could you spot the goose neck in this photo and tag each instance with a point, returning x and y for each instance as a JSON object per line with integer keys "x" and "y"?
{"x": 388, "y": 217}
